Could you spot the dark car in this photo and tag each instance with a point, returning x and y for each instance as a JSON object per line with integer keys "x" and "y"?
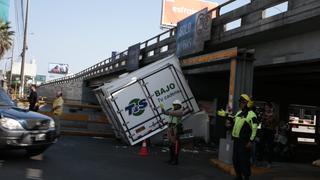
{"x": 20, "y": 128}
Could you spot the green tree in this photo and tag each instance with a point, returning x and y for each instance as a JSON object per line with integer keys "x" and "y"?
{"x": 6, "y": 37}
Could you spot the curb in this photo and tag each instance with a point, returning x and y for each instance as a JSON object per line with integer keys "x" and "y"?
{"x": 228, "y": 168}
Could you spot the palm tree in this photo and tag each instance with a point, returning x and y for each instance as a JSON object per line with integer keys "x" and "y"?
{"x": 5, "y": 37}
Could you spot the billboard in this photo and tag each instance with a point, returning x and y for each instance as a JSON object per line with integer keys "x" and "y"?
{"x": 57, "y": 68}
{"x": 192, "y": 32}
{"x": 4, "y": 10}
{"x": 174, "y": 11}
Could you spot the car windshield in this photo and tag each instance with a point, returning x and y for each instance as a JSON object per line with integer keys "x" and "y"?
{"x": 5, "y": 99}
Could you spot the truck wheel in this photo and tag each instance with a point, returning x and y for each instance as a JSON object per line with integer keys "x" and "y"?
{"x": 35, "y": 151}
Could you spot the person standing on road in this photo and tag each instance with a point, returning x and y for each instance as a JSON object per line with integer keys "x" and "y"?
{"x": 174, "y": 130}
{"x": 57, "y": 110}
{"x": 33, "y": 98}
{"x": 243, "y": 132}
{"x": 269, "y": 125}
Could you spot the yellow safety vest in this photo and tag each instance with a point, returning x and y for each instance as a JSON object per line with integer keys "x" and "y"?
{"x": 239, "y": 122}
{"x": 58, "y": 102}
{"x": 175, "y": 120}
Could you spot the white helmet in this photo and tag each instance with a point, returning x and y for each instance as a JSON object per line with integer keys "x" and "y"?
{"x": 177, "y": 102}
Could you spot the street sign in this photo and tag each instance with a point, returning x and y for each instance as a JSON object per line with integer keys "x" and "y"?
{"x": 185, "y": 36}
{"x": 40, "y": 78}
{"x": 133, "y": 57}
{"x": 192, "y": 32}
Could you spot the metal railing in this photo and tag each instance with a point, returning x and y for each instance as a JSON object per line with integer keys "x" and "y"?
{"x": 118, "y": 62}
{"x": 164, "y": 44}
{"x": 112, "y": 64}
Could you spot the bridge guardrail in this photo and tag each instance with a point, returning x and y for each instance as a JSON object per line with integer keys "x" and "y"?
{"x": 164, "y": 44}
{"x": 116, "y": 63}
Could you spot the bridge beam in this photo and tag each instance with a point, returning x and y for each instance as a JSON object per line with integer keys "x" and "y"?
{"x": 239, "y": 64}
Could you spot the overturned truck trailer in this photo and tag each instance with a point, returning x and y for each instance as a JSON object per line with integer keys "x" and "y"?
{"x": 132, "y": 102}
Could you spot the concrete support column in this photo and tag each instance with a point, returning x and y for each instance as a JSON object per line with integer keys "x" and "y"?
{"x": 232, "y": 83}
{"x": 241, "y": 79}
{"x": 252, "y": 17}
{"x": 87, "y": 94}
{"x": 157, "y": 51}
{"x": 172, "y": 46}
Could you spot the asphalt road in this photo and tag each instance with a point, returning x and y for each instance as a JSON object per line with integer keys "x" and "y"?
{"x": 84, "y": 158}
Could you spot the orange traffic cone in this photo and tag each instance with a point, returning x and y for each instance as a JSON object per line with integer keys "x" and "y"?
{"x": 143, "y": 149}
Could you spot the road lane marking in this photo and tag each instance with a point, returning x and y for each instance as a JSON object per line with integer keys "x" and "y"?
{"x": 34, "y": 174}
{"x": 37, "y": 158}
{"x": 98, "y": 138}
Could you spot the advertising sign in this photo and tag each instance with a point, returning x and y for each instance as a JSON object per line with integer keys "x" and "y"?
{"x": 192, "y": 32}
{"x": 174, "y": 11}
{"x": 4, "y": 10}
{"x": 57, "y": 68}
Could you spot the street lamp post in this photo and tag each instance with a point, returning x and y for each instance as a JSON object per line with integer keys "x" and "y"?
{"x": 24, "y": 52}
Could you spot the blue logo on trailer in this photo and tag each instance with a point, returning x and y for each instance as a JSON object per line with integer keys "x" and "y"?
{"x": 136, "y": 106}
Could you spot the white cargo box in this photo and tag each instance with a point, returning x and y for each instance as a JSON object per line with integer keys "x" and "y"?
{"x": 132, "y": 102}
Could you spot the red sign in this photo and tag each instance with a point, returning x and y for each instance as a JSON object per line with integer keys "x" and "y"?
{"x": 174, "y": 11}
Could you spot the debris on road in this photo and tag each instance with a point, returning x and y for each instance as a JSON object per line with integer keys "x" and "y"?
{"x": 316, "y": 163}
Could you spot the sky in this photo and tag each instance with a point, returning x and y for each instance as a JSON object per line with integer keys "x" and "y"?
{"x": 81, "y": 33}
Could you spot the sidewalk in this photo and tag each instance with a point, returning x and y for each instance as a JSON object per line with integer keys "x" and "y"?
{"x": 294, "y": 171}
{"x": 278, "y": 171}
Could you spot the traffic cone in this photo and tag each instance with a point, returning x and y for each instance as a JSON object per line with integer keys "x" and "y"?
{"x": 143, "y": 149}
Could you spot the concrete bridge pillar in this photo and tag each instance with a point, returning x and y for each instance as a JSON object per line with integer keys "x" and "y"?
{"x": 241, "y": 78}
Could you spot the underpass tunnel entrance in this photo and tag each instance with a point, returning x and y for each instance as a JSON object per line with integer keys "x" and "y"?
{"x": 211, "y": 92}
{"x": 294, "y": 88}
{"x": 208, "y": 86}
{"x": 297, "y": 84}
{"x": 217, "y": 80}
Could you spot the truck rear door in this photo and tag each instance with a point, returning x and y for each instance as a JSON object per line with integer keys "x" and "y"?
{"x": 166, "y": 85}
{"x": 138, "y": 118}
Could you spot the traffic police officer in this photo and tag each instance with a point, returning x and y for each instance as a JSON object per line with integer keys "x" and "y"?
{"x": 243, "y": 133}
{"x": 174, "y": 130}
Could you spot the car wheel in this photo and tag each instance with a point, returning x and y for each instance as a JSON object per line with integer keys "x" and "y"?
{"x": 35, "y": 151}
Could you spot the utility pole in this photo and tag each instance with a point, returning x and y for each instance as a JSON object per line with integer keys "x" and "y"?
{"x": 24, "y": 52}
{"x": 12, "y": 55}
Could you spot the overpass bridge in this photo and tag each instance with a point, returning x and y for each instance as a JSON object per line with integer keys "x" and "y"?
{"x": 274, "y": 58}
